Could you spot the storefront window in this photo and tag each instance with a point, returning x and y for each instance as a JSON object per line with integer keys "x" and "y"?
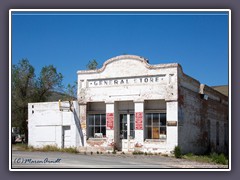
{"x": 155, "y": 126}
{"x": 96, "y": 125}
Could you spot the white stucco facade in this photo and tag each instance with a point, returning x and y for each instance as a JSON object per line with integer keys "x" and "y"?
{"x": 130, "y": 105}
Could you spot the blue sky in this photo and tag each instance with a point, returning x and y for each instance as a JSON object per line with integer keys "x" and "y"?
{"x": 68, "y": 40}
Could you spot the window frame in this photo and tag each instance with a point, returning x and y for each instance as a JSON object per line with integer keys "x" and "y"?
{"x": 94, "y": 125}
{"x": 159, "y": 126}
{"x": 132, "y": 122}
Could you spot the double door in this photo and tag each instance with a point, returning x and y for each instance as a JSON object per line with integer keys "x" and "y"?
{"x": 126, "y": 130}
{"x": 127, "y": 126}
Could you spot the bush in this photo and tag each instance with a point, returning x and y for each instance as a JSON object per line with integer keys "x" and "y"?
{"x": 137, "y": 152}
{"x": 213, "y": 157}
{"x": 177, "y": 152}
{"x": 49, "y": 148}
{"x": 219, "y": 159}
{"x": 70, "y": 150}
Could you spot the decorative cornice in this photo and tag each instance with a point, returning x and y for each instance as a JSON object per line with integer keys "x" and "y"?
{"x": 134, "y": 57}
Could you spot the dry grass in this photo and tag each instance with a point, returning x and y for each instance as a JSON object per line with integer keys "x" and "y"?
{"x": 47, "y": 148}
{"x": 212, "y": 158}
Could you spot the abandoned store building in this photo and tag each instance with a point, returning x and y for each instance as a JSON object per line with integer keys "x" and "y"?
{"x": 130, "y": 105}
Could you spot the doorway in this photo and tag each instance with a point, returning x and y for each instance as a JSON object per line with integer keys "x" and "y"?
{"x": 126, "y": 130}
{"x": 66, "y": 137}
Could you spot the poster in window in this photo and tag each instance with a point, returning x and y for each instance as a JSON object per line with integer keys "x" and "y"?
{"x": 110, "y": 120}
{"x": 139, "y": 120}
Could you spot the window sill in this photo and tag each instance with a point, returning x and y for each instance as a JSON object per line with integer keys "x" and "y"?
{"x": 155, "y": 140}
{"x": 96, "y": 139}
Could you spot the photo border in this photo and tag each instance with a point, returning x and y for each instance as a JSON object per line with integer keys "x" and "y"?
{"x": 120, "y": 10}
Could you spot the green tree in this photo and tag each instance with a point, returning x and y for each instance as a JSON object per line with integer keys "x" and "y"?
{"x": 22, "y": 92}
{"x": 50, "y": 80}
{"x": 27, "y": 88}
{"x": 92, "y": 64}
{"x": 71, "y": 91}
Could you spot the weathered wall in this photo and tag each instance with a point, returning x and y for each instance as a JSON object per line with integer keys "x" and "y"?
{"x": 198, "y": 117}
{"x": 127, "y": 78}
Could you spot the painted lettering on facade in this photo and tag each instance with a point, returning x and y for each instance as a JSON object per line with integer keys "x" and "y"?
{"x": 110, "y": 120}
{"x": 138, "y": 120}
{"x": 126, "y": 81}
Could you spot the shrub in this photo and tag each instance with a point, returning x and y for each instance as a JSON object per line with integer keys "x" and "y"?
{"x": 30, "y": 148}
{"x": 137, "y": 152}
{"x": 164, "y": 155}
{"x": 177, "y": 152}
{"x": 49, "y": 148}
{"x": 70, "y": 150}
{"x": 219, "y": 159}
{"x": 189, "y": 154}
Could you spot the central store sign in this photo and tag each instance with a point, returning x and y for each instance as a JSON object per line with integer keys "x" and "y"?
{"x": 126, "y": 81}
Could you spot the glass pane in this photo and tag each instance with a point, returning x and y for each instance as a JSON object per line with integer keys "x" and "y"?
{"x": 149, "y": 133}
{"x": 125, "y": 118}
{"x": 163, "y": 133}
{"x": 97, "y": 119}
{"x": 156, "y": 120}
{"x": 103, "y": 119}
{"x": 90, "y": 119}
{"x": 163, "y": 119}
{"x": 103, "y": 131}
{"x": 132, "y": 134}
{"x": 125, "y": 126}
{"x": 132, "y": 126}
{"x": 132, "y": 118}
{"x": 97, "y": 129}
{"x": 91, "y": 132}
{"x": 121, "y": 127}
{"x": 155, "y": 133}
{"x": 125, "y": 134}
{"x": 162, "y": 130}
{"x": 148, "y": 120}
